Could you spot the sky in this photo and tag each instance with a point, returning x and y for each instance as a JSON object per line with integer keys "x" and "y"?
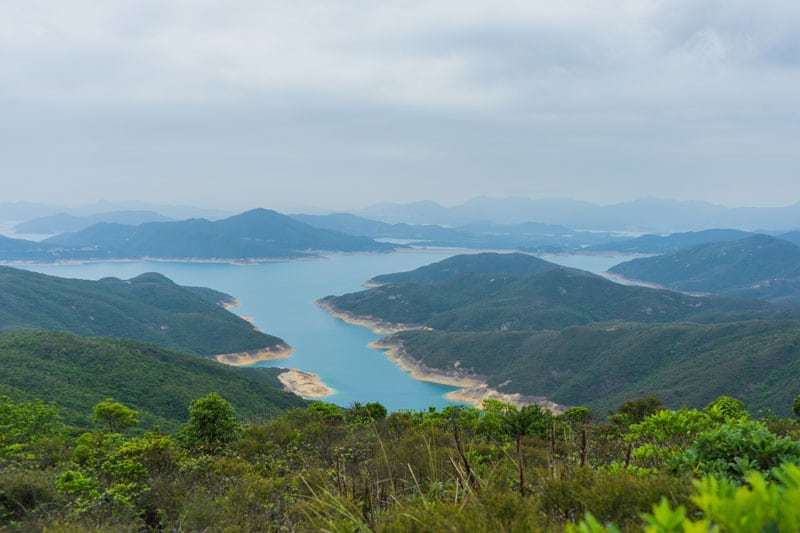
{"x": 338, "y": 104}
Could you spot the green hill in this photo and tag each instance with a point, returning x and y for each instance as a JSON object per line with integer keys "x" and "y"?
{"x": 148, "y": 308}
{"x": 664, "y": 244}
{"x": 76, "y": 372}
{"x": 451, "y": 268}
{"x": 256, "y": 234}
{"x": 757, "y": 267}
{"x": 603, "y": 365}
{"x": 530, "y": 327}
{"x": 519, "y": 292}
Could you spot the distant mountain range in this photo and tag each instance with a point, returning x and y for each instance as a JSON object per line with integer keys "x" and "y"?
{"x": 664, "y": 244}
{"x": 649, "y": 214}
{"x": 526, "y": 326}
{"x": 63, "y": 222}
{"x": 761, "y": 267}
{"x": 254, "y": 235}
{"x": 25, "y": 211}
{"x": 528, "y": 236}
{"x": 355, "y": 225}
{"x": 148, "y": 308}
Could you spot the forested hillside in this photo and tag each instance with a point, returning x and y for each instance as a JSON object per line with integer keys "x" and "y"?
{"x": 526, "y": 326}
{"x": 603, "y": 365}
{"x": 759, "y": 267}
{"x": 147, "y": 308}
{"x": 77, "y": 372}
{"x": 518, "y": 292}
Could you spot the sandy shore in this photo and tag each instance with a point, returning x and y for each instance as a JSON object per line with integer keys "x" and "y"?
{"x": 470, "y": 389}
{"x": 281, "y": 351}
{"x": 622, "y": 280}
{"x": 305, "y": 384}
{"x": 379, "y": 327}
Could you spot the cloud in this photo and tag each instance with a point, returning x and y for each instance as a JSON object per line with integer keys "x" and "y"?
{"x": 401, "y": 99}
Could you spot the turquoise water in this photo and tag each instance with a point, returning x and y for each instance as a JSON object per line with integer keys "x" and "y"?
{"x": 279, "y": 297}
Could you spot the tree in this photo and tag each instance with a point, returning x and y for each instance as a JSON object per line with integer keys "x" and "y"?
{"x": 114, "y": 417}
{"x": 726, "y": 408}
{"x": 738, "y": 447}
{"x": 519, "y": 423}
{"x": 212, "y": 424}
{"x": 634, "y": 411}
{"x": 796, "y": 407}
{"x": 371, "y": 411}
{"x": 578, "y": 418}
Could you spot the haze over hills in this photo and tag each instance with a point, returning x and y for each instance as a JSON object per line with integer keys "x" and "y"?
{"x": 360, "y": 226}
{"x": 759, "y": 267}
{"x": 528, "y": 236}
{"x": 77, "y": 372}
{"x": 663, "y": 244}
{"x": 64, "y": 222}
{"x": 148, "y": 308}
{"x": 253, "y": 235}
{"x": 648, "y": 214}
{"x": 24, "y": 211}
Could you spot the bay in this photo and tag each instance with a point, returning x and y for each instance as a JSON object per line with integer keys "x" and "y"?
{"x": 279, "y": 297}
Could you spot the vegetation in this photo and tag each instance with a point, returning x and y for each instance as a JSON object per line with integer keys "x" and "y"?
{"x": 76, "y": 373}
{"x": 454, "y": 268}
{"x": 759, "y": 267}
{"x": 520, "y": 292}
{"x": 148, "y": 308}
{"x": 527, "y": 326}
{"x": 325, "y": 468}
{"x": 602, "y": 365}
{"x": 256, "y": 234}
{"x": 493, "y": 292}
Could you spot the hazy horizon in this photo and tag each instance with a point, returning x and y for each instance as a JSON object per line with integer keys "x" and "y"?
{"x": 341, "y": 105}
{"x": 138, "y": 203}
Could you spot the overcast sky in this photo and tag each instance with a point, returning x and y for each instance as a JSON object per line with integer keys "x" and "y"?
{"x": 335, "y": 104}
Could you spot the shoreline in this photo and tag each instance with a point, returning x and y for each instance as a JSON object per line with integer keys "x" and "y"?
{"x": 304, "y": 384}
{"x": 377, "y": 326}
{"x": 622, "y": 280}
{"x": 233, "y": 303}
{"x": 273, "y": 353}
{"x": 470, "y": 389}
